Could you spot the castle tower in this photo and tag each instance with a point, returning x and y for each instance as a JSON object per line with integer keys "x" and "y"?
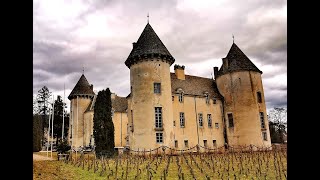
{"x": 150, "y": 102}
{"x": 239, "y": 81}
{"x": 81, "y": 97}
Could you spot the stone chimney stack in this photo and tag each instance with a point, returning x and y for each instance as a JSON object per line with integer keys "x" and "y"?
{"x": 215, "y": 71}
{"x": 179, "y": 71}
{"x": 225, "y": 63}
{"x": 113, "y": 95}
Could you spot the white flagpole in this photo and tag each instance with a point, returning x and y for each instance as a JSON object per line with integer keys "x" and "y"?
{"x": 77, "y": 118}
{"x": 48, "y": 133}
{"x": 52, "y": 124}
{"x": 64, "y": 95}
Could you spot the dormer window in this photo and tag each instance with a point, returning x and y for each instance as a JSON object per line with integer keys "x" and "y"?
{"x": 207, "y": 98}
{"x": 180, "y": 97}
{"x": 180, "y": 94}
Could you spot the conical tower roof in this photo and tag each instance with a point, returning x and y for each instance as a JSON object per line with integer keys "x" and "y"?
{"x": 81, "y": 88}
{"x": 237, "y": 61}
{"x": 148, "y": 45}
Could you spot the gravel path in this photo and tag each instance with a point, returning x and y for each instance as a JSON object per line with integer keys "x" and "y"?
{"x": 37, "y": 157}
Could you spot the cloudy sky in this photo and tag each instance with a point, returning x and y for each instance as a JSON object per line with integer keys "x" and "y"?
{"x": 98, "y": 35}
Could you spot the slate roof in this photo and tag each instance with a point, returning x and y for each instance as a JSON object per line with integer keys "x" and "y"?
{"x": 194, "y": 85}
{"x": 81, "y": 88}
{"x": 148, "y": 45}
{"x": 237, "y": 61}
{"x": 90, "y": 106}
{"x": 119, "y": 104}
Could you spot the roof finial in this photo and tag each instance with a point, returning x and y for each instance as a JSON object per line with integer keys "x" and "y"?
{"x": 82, "y": 69}
{"x": 148, "y": 17}
{"x": 233, "y": 38}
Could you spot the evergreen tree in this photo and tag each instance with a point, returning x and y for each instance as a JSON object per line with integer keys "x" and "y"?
{"x": 43, "y": 98}
{"x": 103, "y": 128}
{"x": 58, "y": 120}
{"x": 37, "y": 133}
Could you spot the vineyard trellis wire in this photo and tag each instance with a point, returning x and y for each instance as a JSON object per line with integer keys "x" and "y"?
{"x": 246, "y": 162}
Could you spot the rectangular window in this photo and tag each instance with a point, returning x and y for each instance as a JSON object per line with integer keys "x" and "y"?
{"x": 205, "y": 144}
{"x": 262, "y": 120}
{"x": 207, "y": 99}
{"x": 259, "y": 97}
{"x": 186, "y": 143}
{"x": 172, "y": 98}
{"x": 158, "y": 117}
{"x": 230, "y": 118}
{"x": 182, "y": 123}
{"x": 157, "y": 87}
{"x": 209, "y": 120}
{"x": 176, "y": 143}
{"x": 217, "y": 125}
{"x": 214, "y": 143}
{"x": 200, "y": 119}
{"x": 174, "y": 123}
{"x": 132, "y": 129}
{"x": 180, "y": 97}
{"x": 264, "y": 136}
{"x": 71, "y": 131}
{"x": 159, "y": 137}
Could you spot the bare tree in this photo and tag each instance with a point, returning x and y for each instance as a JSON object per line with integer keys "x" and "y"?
{"x": 278, "y": 124}
{"x": 35, "y": 106}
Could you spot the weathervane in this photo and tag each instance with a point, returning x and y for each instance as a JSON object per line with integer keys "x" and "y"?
{"x": 233, "y": 38}
{"x": 148, "y": 17}
{"x": 82, "y": 69}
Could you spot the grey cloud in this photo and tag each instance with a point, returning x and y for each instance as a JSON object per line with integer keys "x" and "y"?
{"x": 191, "y": 37}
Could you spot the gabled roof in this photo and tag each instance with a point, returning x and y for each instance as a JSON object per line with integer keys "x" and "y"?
{"x": 237, "y": 61}
{"x": 193, "y": 85}
{"x": 119, "y": 104}
{"x": 81, "y": 88}
{"x": 148, "y": 45}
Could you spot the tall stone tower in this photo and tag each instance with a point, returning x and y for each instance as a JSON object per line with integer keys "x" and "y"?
{"x": 239, "y": 81}
{"x": 150, "y": 102}
{"x": 81, "y": 97}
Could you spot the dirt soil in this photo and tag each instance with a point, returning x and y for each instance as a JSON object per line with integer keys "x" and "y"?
{"x": 37, "y": 157}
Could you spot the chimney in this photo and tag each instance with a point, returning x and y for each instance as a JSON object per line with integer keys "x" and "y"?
{"x": 91, "y": 86}
{"x": 215, "y": 71}
{"x": 113, "y": 95}
{"x": 179, "y": 71}
{"x": 225, "y": 63}
{"x": 134, "y": 44}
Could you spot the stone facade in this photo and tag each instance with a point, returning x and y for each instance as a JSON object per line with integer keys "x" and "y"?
{"x": 175, "y": 109}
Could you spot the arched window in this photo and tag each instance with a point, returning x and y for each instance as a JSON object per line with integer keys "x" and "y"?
{"x": 180, "y": 94}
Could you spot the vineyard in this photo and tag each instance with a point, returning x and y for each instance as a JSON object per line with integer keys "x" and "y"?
{"x": 262, "y": 164}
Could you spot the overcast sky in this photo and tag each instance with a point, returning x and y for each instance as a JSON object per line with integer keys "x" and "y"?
{"x": 98, "y": 35}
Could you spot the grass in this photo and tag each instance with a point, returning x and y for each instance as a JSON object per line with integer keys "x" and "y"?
{"x": 257, "y": 165}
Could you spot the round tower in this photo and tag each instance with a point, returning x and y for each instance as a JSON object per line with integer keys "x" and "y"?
{"x": 239, "y": 82}
{"x": 150, "y": 101}
{"x": 80, "y": 99}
